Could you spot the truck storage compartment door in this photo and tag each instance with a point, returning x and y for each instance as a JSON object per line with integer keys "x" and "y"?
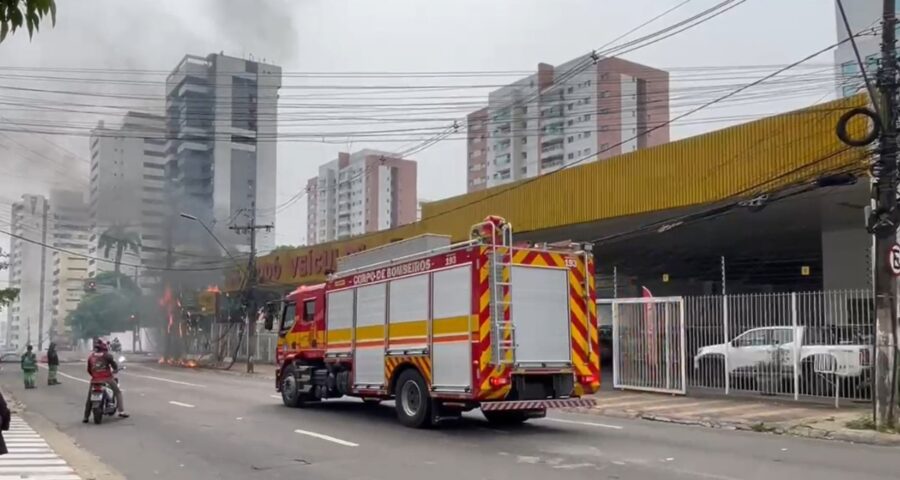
{"x": 540, "y": 315}
{"x": 452, "y": 347}
{"x": 339, "y": 322}
{"x": 408, "y": 319}
{"x": 368, "y": 352}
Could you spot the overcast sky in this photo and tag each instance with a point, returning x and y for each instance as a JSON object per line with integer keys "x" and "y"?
{"x": 381, "y": 35}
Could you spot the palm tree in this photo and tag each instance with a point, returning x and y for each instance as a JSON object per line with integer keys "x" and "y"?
{"x": 116, "y": 237}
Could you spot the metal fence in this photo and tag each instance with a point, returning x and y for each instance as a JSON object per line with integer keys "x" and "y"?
{"x": 231, "y": 341}
{"x": 648, "y": 343}
{"x": 802, "y": 344}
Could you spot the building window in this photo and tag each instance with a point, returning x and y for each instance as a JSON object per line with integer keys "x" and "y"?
{"x": 587, "y": 134}
{"x": 571, "y": 156}
{"x": 604, "y": 93}
{"x": 524, "y": 155}
{"x": 524, "y": 140}
{"x": 571, "y": 106}
{"x": 571, "y": 139}
{"x": 570, "y": 90}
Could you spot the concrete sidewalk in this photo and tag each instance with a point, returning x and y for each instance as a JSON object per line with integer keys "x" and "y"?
{"x": 762, "y": 415}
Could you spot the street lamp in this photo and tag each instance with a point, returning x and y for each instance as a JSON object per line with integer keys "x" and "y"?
{"x": 211, "y": 234}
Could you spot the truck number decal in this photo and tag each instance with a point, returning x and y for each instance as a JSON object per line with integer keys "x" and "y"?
{"x": 571, "y": 263}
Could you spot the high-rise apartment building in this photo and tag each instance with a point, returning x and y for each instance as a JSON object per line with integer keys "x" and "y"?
{"x": 127, "y": 190}
{"x": 221, "y": 126}
{"x": 70, "y": 229}
{"x": 577, "y": 112}
{"x": 29, "y": 316}
{"x": 477, "y": 149}
{"x": 861, "y": 15}
{"x": 366, "y": 191}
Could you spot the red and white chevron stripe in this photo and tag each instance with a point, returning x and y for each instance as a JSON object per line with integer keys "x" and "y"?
{"x": 537, "y": 404}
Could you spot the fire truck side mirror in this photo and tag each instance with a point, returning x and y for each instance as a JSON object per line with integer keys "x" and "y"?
{"x": 269, "y": 316}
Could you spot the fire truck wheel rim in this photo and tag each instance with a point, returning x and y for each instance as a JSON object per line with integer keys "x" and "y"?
{"x": 411, "y": 398}
{"x": 289, "y": 389}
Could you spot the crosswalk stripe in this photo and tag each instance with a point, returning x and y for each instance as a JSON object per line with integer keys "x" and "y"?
{"x": 31, "y": 457}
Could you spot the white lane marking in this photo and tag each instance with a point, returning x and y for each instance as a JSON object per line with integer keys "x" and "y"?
{"x": 33, "y": 456}
{"x": 20, "y": 470}
{"x": 167, "y": 380}
{"x": 60, "y": 373}
{"x": 34, "y": 463}
{"x": 43, "y": 477}
{"x": 276, "y": 396}
{"x": 327, "y": 438}
{"x": 71, "y": 476}
{"x": 185, "y": 405}
{"x": 587, "y": 424}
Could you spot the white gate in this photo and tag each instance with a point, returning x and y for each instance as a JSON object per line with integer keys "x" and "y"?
{"x": 648, "y": 343}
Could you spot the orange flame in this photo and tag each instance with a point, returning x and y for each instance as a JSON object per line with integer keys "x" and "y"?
{"x": 213, "y": 289}
{"x": 167, "y": 301}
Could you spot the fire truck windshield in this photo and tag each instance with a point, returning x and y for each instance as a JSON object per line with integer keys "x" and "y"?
{"x": 288, "y": 317}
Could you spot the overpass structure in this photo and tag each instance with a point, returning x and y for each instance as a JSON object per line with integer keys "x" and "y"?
{"x": 776, "y": 193}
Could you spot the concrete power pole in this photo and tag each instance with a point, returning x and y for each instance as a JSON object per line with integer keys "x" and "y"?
{"x": 884, "y": 227}
{"x": 250, "y": 285}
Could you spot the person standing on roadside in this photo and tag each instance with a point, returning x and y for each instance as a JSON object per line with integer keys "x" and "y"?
{"x": 29, "y": 367}
{"x": 52, "y": 365}
{"x": 5, "y": 417}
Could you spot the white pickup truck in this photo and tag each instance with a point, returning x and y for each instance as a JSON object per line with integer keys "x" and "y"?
{"x": 833, "y": 350}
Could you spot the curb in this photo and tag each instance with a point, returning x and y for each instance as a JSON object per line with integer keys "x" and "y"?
{"x": 804, "y": 431}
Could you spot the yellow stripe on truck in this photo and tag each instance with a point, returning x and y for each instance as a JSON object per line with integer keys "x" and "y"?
{"x": 414, "y": 329}
{"x": 451, "y": 325}
{"x": 339, "y": 335}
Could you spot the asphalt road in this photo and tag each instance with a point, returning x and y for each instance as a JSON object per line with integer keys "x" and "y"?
{"x": 197, "y": 425}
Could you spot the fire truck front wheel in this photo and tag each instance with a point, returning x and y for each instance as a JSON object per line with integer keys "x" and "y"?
{"x": 291, "y": 395}
{"x": 413, "y": 402}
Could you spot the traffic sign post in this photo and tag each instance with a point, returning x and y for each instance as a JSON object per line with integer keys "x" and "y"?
{"x": 894, "y": 260}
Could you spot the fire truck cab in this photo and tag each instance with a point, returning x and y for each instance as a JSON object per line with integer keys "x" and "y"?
{"x": 478, "y": 324}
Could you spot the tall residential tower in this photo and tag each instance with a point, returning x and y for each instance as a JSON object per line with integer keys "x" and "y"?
{"x": 359, "y": 193}
{"x": 581, "y": 111}
{"x": 221, "y": 127}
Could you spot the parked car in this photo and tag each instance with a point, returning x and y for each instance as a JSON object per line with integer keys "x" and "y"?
{"x": 842, "y": 352}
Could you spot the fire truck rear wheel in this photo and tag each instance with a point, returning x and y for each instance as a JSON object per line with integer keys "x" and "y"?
{"x": 413, "y": 402}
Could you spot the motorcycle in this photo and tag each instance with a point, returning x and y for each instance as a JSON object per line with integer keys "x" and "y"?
{"x": 103, "y": 400}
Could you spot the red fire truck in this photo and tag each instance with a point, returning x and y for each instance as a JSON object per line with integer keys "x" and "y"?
{"x": 478, "y": 324}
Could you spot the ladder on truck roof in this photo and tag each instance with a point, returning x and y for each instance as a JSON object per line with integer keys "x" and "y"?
{"x": 498, "y": 233}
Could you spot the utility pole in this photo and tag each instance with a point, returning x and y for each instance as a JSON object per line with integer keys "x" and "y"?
{"x": 42, "y": 295}
{"x": 883, "y": 224}
{"x": 249, "y": 287}
{"x": 135, "y": 328}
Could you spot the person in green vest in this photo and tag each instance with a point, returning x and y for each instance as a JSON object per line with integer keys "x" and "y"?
{"x": 29, "y": 367}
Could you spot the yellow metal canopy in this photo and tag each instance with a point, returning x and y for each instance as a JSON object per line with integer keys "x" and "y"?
{"x": 743, "y": 160}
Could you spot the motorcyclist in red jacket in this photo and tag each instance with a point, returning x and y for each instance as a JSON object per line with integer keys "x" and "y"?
{"x": 102, "y": 366}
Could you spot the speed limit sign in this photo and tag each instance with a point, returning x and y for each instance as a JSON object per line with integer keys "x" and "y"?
{"x": 894, "y": 261}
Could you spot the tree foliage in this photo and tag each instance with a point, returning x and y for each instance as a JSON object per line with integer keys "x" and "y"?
{"x": 8, "y": 295}
{"x": 100, "y": 314}
{"x": 117, "y": 239}
{"x": 28, "y": 13}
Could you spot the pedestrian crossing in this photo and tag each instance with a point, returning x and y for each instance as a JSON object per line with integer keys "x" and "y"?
{"x": 30, "y": 457}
